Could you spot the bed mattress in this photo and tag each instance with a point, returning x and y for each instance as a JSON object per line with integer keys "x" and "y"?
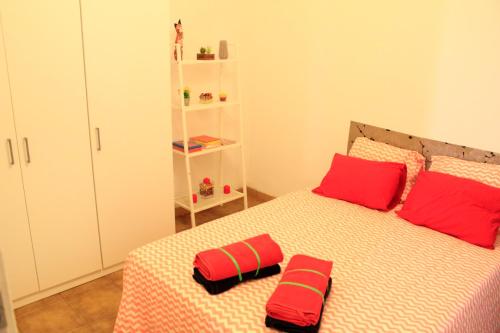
{"x": 388, "y": 275}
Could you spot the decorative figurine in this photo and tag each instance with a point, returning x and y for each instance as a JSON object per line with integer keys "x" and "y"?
{"x": 206, "y": 98}
{"x": 223, "y": 53}
{"x": 186, "y": 94}
{"x": 206, "y": 188}
{"x": 195, "y": 198}
{"x": 227, "y": 189}
{"x": 179, "y": 39}
{"x": 222, "y": 96}
{"x": 205, "y": 54}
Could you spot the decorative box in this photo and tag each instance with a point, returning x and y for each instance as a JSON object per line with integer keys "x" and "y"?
{"x": 206, "y": 188}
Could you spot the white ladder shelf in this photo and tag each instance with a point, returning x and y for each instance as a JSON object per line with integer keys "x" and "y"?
{"x": 219, "y": 198}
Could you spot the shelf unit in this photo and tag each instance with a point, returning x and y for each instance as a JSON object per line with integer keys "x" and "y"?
{"x": 200, "y": 107}
{"x": 206, "y": 62}
{"x": 219, "y": 198}
{"x": 208, "y": 150}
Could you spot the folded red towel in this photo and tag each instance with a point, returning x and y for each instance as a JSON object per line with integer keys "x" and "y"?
{"x": 299, "y": 297}
{"x": 238, "y": 258}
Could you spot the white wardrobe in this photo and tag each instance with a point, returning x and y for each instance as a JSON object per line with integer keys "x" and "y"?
{"x": 85, "y": 169}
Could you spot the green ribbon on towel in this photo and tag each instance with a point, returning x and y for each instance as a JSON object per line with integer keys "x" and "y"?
{"x": 297, "y": 284}
{"x": 234, "y": 262}
{"x": 256, "y": 256}
{"x": 305, "y": 270}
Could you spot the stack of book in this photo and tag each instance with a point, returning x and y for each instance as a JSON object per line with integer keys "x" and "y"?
{"x": 207, "y": 141}
{"x": 192, "y": 146}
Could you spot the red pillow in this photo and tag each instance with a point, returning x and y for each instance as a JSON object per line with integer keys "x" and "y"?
{"x": 373, "y": 184}
{"x": 456, "y": 206}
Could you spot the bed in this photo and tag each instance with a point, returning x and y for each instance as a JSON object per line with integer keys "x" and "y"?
{"x": 388, "y": 275}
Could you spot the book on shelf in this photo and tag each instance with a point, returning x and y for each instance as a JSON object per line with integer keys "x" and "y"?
{"x": 207, "y": 141}
{"x": 192, "y": 146}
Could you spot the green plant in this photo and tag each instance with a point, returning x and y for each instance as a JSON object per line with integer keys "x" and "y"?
{"x": 186, "y": 93}
{"x": 202, "y": 50}
{"x": 209, "y": 50}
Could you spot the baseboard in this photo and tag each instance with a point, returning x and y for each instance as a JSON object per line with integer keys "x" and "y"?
{"x": 179, "y": 211}
{"x": 65, "y": 286}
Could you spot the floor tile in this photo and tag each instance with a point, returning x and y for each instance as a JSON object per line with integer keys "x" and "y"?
{"x": 53, "y": 316}
{"x": 105, "y": 325}
{"x": 100, "y": 283}
{"x": 94, "y": 304}
{"x": 37, "y": 306}
{"x": 116, "y": 278}
{"x": 84, "y": 329}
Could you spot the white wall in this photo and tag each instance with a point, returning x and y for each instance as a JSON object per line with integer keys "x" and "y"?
{"x": 467, "y": 95}
{"x": 313, "y": 68}
{"x": 430, "y": 68}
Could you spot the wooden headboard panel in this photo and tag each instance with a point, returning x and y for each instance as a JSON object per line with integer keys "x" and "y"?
{"x": 424, "y": 146}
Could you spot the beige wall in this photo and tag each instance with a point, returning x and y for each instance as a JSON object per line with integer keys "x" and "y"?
{"x": 427, "y": 67}
{"x": 467, "y": 93}
{"x": 311, "y": 69}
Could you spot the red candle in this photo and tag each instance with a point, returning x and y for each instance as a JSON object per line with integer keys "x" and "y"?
{"x": 195, "y": 198}
{"x": 227, "y": 189}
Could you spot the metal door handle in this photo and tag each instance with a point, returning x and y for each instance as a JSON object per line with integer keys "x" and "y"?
{"x": 27, "y": 147}
{"x": 98, "y": 135}
{"x": 11, "y": 152}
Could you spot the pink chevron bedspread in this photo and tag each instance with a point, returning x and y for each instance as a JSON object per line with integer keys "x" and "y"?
{"x": 388, "y": 275}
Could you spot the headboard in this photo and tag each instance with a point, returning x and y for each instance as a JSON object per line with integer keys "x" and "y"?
{"x": 424, "y": 146}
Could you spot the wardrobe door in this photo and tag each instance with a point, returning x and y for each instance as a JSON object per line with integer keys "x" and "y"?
{"x": 128, "y": 79}
{"x": 45, "y": 59}
{"x": 15, "y": 239}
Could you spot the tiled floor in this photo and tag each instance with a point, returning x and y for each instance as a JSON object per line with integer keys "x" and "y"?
{"x": 92, "y": 307}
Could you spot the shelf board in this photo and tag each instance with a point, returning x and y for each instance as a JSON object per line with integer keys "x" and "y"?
{"x": 198, "y": 62}
{"x": 207, "y": 203}
{"x": 199, "y": 106}
{"x": 207, "y": 151}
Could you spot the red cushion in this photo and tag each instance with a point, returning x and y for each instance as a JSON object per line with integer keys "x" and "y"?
{"x": 373, "y": 184}
{"x": 456, "y": 206}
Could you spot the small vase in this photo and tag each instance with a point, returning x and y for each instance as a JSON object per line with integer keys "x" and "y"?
{"x": 223, "y": 52}
{"x": 186, "y": 101}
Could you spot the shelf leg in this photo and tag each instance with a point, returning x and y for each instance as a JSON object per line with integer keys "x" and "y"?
{"x": 193, "y": 219}
{"x": 185, "y": 137}
{"x": 242, "y": 150}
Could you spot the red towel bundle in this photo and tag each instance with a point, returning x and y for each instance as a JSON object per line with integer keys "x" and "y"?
{"x": 300, "y": 295}
{"x": 238, "y": 258}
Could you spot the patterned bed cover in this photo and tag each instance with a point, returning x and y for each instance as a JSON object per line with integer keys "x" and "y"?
{"x": 388, "y": 275}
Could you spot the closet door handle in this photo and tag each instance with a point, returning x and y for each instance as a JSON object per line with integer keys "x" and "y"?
{"x": 27, "y": 147}
{"x": 98, "y": 136}
{"x": 11, "y": 152}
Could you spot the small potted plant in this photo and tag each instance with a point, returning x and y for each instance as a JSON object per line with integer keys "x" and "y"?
{"x": 187, "y": 95}
{"x": 222, "y": 96}
{"x": 205, "y": 53}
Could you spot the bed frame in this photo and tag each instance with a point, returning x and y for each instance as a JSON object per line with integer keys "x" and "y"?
{"x": 424, "y": 146}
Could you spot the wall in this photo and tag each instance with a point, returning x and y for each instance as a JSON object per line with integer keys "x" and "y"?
{"x": 467, "y": 100}
{"x": 311, "y": 69}
{"x": 425, "y": 67}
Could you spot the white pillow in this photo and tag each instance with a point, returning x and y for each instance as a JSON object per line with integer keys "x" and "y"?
{"x": 379, "y": 151}
{"x": 485, "y": 173}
